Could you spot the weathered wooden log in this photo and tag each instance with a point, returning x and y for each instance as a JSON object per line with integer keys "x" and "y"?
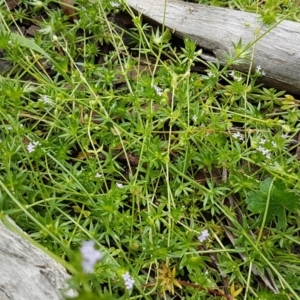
{"x": 216, "y": 29}
{"x": 27, "y": 273}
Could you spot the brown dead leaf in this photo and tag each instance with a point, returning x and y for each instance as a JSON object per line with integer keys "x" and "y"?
{"x": 12, "y": 4}
{"x": 68, "y": 8}
{"x": 32, "y": 30}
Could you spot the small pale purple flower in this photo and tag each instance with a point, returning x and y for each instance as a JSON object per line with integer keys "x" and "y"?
{"x": 129, "y": 282}
{"x": 203, "y": 236}
{"x": 31, "y": 146}
{"x": 90, "y": 256}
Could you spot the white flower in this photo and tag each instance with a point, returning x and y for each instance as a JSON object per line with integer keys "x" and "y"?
{"x": 264, "y": 151}
{"x": 238, "y": 135}
{"x": 237, "y": 78}
{"x": 114, "y": 4}
{"x": 261, "y": 149}
{"x": 31, "y": 146}
{"x": 195, "y": 118}
{"x": 293, "y": 142}
{"x": 260, "y": 71}
{"x": 46, "y": 100}
{"x": 46, "y": 30}
{"x": 158, "y": 90}
{"x": 119, "y": 185}
{"x": 231, "y": 73}
{"x": 129, "y": 282}
{"x": 284, "y": 136}
{"x": 203, "y": 236}
{"x": 210, "y": 74}
{"x": 89, "y": 256}
{"x": 262, "y": 141}
{"x": 98, "y": 175}
{"x": 274, "y": 144}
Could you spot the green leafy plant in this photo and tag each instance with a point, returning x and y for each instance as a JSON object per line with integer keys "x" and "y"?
{"x": 119, "y": 136}
{"x": 273, "y": 201}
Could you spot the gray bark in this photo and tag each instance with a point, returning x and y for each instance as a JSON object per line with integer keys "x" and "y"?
{"x": 28, "y": 273}
{"x": 216, "y": 29}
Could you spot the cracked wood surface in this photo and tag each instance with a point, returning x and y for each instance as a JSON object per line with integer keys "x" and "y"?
{"x": 26, "y": 272}
{"x": 216, "y": 29}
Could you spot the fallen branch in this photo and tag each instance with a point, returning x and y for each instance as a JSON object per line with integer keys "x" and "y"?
{"x": 216, "y": 30}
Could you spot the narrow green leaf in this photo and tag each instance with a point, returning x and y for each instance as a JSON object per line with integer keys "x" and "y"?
{"x": 30, "y": 44}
